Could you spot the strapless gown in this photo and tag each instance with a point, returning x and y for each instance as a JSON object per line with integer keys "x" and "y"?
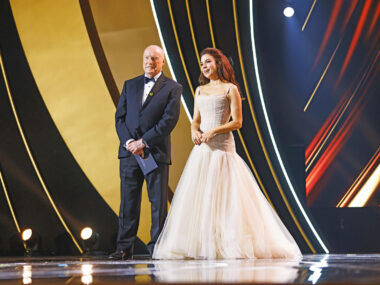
{"x": 218, "y": 210}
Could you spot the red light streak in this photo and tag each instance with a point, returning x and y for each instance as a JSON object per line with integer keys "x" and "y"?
{"x": 348, "y": 15}
{"x": 374, "y": 20}
{"x": 332, "y": 150}
{"x": 355, "y": 39}
{"x": 337, "y": 143}
{"x": 330, "y": 27}
{"x": 317, "y": 140}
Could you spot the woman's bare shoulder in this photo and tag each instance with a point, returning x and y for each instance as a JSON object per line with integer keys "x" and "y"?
{"x": 230, "y": 88}
{"x": 198, "y": 90}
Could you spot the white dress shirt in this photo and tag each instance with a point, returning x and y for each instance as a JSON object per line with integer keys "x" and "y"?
{"x": 147, "y": 88}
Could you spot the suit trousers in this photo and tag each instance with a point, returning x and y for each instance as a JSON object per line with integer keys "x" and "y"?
{"x": 132, "y": 180}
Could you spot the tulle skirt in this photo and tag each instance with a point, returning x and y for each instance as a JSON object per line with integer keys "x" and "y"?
{"x": 219, "y": 212}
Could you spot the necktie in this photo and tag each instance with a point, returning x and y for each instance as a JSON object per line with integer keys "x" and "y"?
{"x": 147, "y": 79}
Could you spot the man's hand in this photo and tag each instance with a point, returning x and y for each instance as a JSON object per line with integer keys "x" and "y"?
{"x": 140, "y": 153}
{"x": 136, "y": 147}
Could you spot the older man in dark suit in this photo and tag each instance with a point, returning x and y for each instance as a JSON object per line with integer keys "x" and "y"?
{"x": 147, "y": 112}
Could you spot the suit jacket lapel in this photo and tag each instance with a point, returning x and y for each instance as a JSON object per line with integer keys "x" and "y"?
{"x": 139, "y": 90}
{"x": 157, "y": 86}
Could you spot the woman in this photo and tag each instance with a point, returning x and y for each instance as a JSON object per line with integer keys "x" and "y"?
{"x": 218, "y": 210}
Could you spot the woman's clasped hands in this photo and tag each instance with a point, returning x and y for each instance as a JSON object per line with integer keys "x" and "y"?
{"x": 199, "y": 137}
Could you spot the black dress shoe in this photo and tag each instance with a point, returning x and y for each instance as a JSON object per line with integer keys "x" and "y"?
{"x": 120, "y": 255}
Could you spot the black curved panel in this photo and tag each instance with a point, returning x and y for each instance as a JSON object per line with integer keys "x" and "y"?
{"x": 163, "y": 15}
{"x": 200, "y": 23}
{"x": 188, "y": 50}
{"x": 26, "y": 194}
{"x": 8, "y": 227}
{"x": 76, "y": 199}
{"x": 98, "y": 51}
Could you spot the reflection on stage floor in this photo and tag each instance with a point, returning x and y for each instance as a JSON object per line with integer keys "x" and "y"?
{"x": 311, "y": 269}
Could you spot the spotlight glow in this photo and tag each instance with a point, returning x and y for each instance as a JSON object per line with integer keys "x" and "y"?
{"x": 87, "y": 269}
{"x": 288, "y": 12}
{"x": 87, "y": 274}
{"x": 27, "y": 274}
{"x": 86, "y": 233}
{"x": 26, "y": 234}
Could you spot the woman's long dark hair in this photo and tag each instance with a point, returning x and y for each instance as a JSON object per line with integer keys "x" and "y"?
{"x": 223, "y": 68}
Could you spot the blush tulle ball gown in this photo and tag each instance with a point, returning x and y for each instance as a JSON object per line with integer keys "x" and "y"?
{"x": 218, "y": 210}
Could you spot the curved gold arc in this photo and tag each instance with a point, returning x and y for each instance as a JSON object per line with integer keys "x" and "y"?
{"x": 32, "y": 160}
{"x": 192, "y": 32}
{"x": 61, "y": 58}
{"x": 10, "y": 206}
{"x": 9, "y": 202}
{"x": 241, "y": 136}
{"x": 260, "y": 136}
{"x": 210, "y": 23}
{"x": 179, "y": 48}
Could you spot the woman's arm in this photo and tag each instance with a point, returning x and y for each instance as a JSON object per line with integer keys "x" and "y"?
{"x": 236, "y": 113}
{"x": 196, "y": 134}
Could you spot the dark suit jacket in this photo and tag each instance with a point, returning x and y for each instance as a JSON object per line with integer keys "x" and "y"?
{"x": 154, "y": 120}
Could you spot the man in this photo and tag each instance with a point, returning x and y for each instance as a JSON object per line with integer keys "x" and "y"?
{"x": 147, "y": 112}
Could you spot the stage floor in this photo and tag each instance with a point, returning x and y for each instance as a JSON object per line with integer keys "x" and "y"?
{"x": 311, "y": 269}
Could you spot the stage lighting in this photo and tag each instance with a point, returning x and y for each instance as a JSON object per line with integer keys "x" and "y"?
{"x": 26, "y": 234}
{"x": 288, "y": 12}
{"x": 86, "y": 233}
{"x": 90, "y": 240}
{"x": 86, "y": 274}
{"x": 32, "y": 241}
{"x": 27, "y": 274}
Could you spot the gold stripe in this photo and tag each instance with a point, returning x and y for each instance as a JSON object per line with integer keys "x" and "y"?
{"x": 32, "y": 158}
{"x": 344, "y": 199}
{"x": 260, "y": 136}
{"x": 308, "y": 15}
{"x": 192, "y": 32}
{"x": 210, "y": 23}
{"x": 10, "y": 204}
{"x": 241, "y": 136}
{"x": 320, "y": 80}
{"x": 179, "y": 47}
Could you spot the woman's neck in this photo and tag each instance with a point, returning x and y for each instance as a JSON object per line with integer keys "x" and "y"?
{"x": 215, "y": 81}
